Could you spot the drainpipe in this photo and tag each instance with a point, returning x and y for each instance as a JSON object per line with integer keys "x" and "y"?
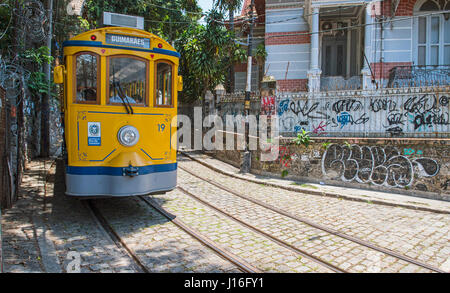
{"x": 382, "y": 50}
{"x": 367, "y": 74}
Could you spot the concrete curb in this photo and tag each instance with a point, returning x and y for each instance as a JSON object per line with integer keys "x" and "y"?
{"x": 320, "y": 193}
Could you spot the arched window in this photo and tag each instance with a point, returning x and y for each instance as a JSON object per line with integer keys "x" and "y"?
{"x": 433, "y": 34}
{"x": 429, "y": 6}
{"x": 87, "y": 74}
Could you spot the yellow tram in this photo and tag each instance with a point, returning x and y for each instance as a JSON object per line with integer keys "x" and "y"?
{"x": 120, "y": 97}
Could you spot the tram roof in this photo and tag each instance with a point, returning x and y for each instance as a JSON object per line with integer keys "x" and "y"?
{"x": 101, "y": 35}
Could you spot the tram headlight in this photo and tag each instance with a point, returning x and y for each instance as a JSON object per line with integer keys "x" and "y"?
{"x": 128, "y": 135}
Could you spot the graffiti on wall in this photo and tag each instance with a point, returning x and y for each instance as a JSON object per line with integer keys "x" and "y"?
{"x": 390, "y": 115}
{"x": 235, "y": 112}
{"x": 268, "y": 106}
{"x": 382, "y": 166}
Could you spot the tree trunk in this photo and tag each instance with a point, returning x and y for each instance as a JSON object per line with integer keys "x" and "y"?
{"x": 45, "y": 109}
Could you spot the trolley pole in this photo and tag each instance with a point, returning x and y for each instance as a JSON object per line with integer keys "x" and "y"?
{"x": 247, "y": 160}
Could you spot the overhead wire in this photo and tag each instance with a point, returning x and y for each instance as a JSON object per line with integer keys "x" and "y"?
{"x": 356, "y": 26}
{"x": 309, "y": 14}
{"x": 173, "y": 9}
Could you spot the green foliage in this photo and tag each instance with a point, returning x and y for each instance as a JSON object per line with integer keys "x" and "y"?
{"x": 38, "y": 56}
{"x": 37, "y": 84}
{"x": 347, "y": 144}
{"x": 167, "y": 19}
{"x": 284, "y": 173}
{"x": 204, "y": 53}
{"x": 227, "y": 5}
{"x": 303, "y": 138}
{"x": 163, "y": 18}
{"x": 286, "y": 157}
{"x": 5, "y": 25}
{"x": 326, "y": 145}
{"x": 261, "y": 53}
{"x": 35, "y": 58}
{"x": 239, "y": 54}
{"x": 84, "y": 24}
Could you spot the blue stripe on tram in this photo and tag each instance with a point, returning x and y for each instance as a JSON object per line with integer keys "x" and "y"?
{"x": 101, "y": 45}
{"x": 118, "y": 171}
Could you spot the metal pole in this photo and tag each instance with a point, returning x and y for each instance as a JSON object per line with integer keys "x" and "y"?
{"x": 45, "y": 113}
{"x": 231, "y": 71}
{"x": 246, "y": 163}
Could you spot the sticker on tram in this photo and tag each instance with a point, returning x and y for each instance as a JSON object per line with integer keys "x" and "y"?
{"x": 123, "y": 40}
{"x": 94, "y": 134}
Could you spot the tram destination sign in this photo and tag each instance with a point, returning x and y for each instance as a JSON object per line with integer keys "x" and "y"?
{"x": 124, "y": 40}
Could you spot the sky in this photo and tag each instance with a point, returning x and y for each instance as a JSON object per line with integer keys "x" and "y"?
{"x": 205, "y": 4}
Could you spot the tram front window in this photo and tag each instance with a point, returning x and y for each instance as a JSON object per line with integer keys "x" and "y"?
{"x": 86, "y": 78}
{"x": 127, "y": 77}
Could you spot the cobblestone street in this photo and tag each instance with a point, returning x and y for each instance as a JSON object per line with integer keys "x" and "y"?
{"x": 47, "y": 231}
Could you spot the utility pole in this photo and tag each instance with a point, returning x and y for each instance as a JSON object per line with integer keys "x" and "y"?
{"x": 247, "y": 160}
{"x": 45, "y": 108}
{"x": 231, "y": 71}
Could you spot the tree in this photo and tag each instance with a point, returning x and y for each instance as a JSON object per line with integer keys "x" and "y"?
{"x": 164, "y": 18}
{"x": 6, "y": 21}
{"x": 231, "y": 6}
{"x": 167, "y": 19}
{"x": 204, "y": 53}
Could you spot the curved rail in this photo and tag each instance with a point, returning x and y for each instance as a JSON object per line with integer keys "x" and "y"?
{"x": 272, "y": 238}
{"x": 240, "y": 263}
{"x": 318, "y": 226}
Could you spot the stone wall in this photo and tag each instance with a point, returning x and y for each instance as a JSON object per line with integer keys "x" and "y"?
{"x": 388, "y": 140}
{"x": 419, "y": 167}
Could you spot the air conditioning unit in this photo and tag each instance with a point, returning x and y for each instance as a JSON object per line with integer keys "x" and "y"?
{"x": 116, "y": 19}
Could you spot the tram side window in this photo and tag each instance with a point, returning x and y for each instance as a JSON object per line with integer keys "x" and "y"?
{"x": 86, "y": 75}
{"x": 163, "y": 84}
{"x": 127, "y": 80}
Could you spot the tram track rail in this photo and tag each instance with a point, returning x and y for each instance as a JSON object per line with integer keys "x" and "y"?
{"x": 311, "y": 223}
{"x": 97, "y": 215}
{"x": 241, "y": 264}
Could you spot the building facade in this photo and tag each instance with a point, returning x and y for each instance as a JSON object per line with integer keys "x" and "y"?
{"x": 322, "y": 45}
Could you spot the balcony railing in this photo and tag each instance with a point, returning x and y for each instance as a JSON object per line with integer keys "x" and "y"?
{"x": 417, "y": 76}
